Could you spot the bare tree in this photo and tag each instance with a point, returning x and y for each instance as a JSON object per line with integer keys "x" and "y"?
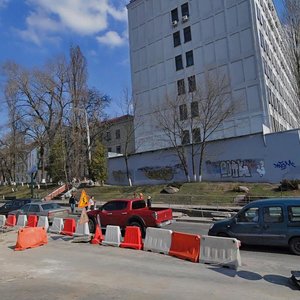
{"x": 291, "y": 25}
{"x": 189, "y": 130}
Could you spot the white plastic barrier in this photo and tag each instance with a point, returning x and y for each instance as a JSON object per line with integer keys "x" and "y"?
{"x": 112, "y": 236}
{"x": 220, "y": 250}
{"x": 57, "y": 225}
{"x": 22, "y": 220}
{"x": 82, "y": 229}
{"x": 2, "y": 220}
{"x": 43, "y": 222}
{"x": 158, "y": 240}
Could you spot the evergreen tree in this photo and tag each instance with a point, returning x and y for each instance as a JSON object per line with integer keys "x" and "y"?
{"x": 99, "y": 163}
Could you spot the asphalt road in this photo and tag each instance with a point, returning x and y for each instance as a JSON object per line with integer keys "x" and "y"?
{"x": 65, "y": 270}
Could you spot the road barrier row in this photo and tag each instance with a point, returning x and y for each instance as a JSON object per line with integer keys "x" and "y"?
{"x": 204, "y": 249}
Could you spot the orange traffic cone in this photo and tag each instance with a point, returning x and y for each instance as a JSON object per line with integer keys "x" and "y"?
{"x": 98, "y": 237}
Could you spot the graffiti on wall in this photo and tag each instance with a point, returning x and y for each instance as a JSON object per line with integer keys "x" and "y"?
{"x": 236, "y": 168}
{"x": 282, "y": 165}
{"x": 160, "y": 173}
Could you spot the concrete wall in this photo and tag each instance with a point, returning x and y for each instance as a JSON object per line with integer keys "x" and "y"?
{"x": 252, "y": 158}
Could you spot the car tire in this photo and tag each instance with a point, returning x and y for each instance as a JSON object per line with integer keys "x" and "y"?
{"x": 295, "y": 245}
{"x": 142, "y": 228}
{"x": 92, "y": 225}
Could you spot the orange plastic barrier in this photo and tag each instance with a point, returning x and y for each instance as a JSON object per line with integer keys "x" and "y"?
{"x": 11, "y": 221}
{"x": 31, "y": 237}
{"x": 69, "y": 227}
{"x": 185, "y": 246}
{"x": 133, "y": 238}
{"x": 98, "y": 237}
{"x": 32, "y": 221}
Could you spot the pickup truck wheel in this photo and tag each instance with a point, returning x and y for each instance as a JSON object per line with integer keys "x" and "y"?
{"x": 143, "y": 231}
{"x": 92, "y": 225}
{"x": 295, "y": 245}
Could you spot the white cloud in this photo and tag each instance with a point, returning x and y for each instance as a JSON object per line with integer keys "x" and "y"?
{"x": 82, "y": 17}
{"x": 112, "y": 39}
{"x": 3, "y": 3}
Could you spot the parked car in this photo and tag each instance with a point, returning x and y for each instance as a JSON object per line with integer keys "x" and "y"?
{"x": 15, "y": 204}
{"x": 133, "y": 212}
{"x": 48, "y": 209}
{"x": 272, "y": 222}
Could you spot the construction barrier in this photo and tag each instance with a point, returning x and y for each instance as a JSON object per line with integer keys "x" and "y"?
{"x": 2, "y": 220}
{"x": 98, "y": 237}
{"x": 43, "y": 222}
{"x": 57, "y": 225}
{"x": 69, "y": 227}
{"x": 32, "y": 221}
{"x": 82, "y": 229}
{"x": 31, "y": 237}
{"x": 185, "y": 246}
{"x": 220, "y": 250}
{"x": 11, "y": 221}
{"x": 158, "y": 240}
{"x": 132, "y": 238}
{"x": 22, "y": 220}
{"x": 112, "y": 236}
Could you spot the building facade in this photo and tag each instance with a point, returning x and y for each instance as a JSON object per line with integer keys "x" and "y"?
{"x": 118, "y": 136}
{"x": 174, "y": 43}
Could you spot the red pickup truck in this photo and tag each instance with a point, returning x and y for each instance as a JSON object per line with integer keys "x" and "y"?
{"x": 130, "y": 212}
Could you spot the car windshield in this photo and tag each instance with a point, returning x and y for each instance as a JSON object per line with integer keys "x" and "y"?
{"x": 49, "y": 206}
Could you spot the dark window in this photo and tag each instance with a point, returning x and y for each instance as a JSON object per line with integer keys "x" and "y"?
{"x": 249, "y": 216}
{"x": 108, "y": 136}
{"x": 273, "y": 214}
{"x": 196, "y": 135}
{"x": 189, "y": 58}
{"x": 185, "y": 139}
{"x": 34, "y": 208}
{"x": 185, "y": 9}
{"x": 192, "y": 83}
{"x": 187, "y": 34}
{"x": 109, "y": 149}
{"x": 183, "y": 112}
{"x": 176, "y": 38}
{"x": 138, "y": 204}
{"x": 118, "y": 149}
{"x": 178, "y": 62}
{"x": 194, "y": 109}
{"x": 180, "y": 87}
{"x": 25, "y": 208}
{"x": 174, "y": 15}
{"x": 118, "y": 134}
{"x": 294, "y": 213}
{"x": 115, "y": 205}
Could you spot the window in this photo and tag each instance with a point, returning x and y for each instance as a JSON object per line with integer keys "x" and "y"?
{"x": 26, "y": 208}
{"x": 189, "y": 58}
{"x": 192, "y": 83}
{"x": 249, "y": 216}
{"x": 176, "y": 38}
{"x": 183, "y": 112}
{"x": 196, "y": 135}
{"x": 273, "y": 214}
{"x": 185, "y": 138}
{"x": 180, "y": 87}
{"x": 118, "y": 134}
{"x": 178, "y": 62}
{"x": 185, "y": 9}
{"x": 138, "y": 204}
{"x": 174, "y": 15}
{"x": 187, "y": 34}
{"x": 109, "y": 149}
{"x": 194, "y": 109}
{"x": 34, "y": 208}
{"x": 294, "y": 213}
{"x": 118, "y": 149}
{"x": 115, "y": 205}
{"x": 108, "y": 136}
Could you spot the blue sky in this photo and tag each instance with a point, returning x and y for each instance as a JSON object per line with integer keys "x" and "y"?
{"x": 32, "y": 31}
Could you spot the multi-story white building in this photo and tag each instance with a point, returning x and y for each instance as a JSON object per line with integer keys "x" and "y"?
{"x": 174, "y": 42}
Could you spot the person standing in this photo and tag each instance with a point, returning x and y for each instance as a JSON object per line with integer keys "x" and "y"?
{"x": 149, "y": 201}
{"x": 72, "y": 202}
{"x": 91, "y": 204}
